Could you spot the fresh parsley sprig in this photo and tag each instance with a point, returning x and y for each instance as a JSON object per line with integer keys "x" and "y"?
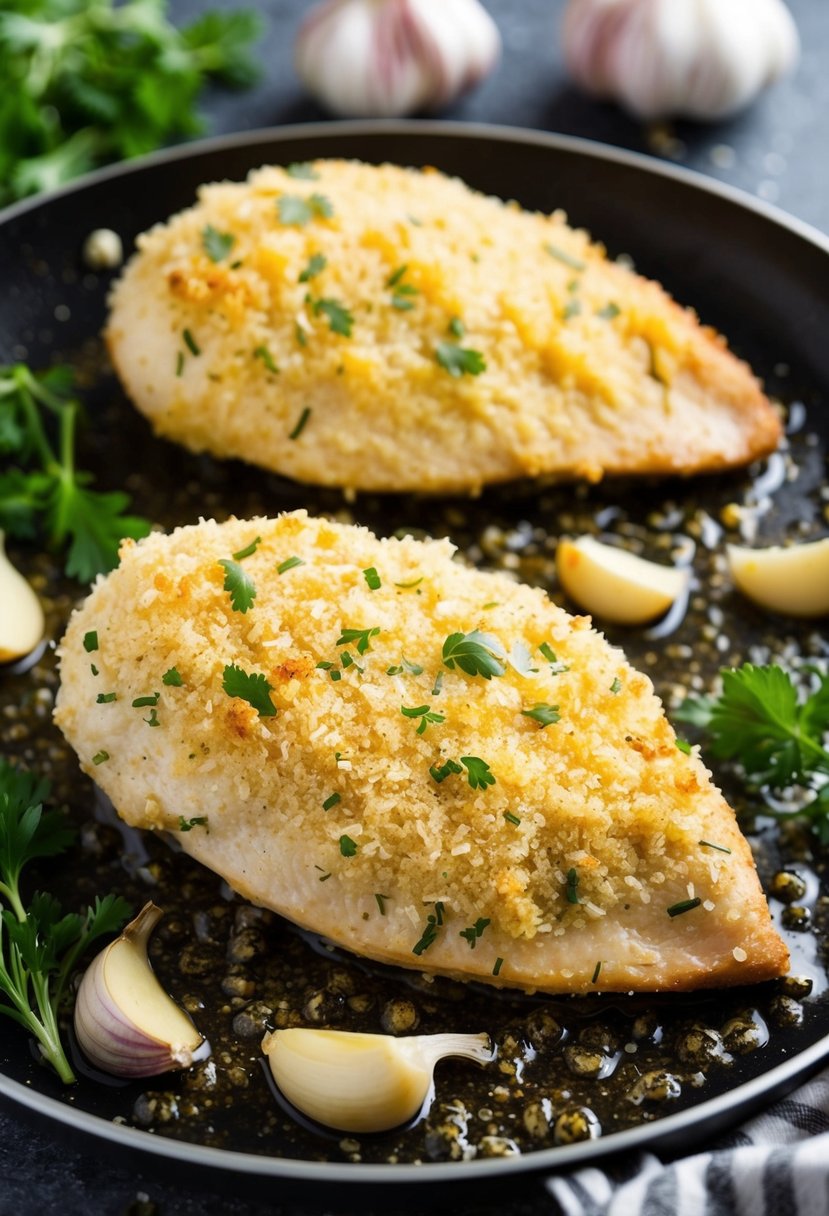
{"x": 39, "y": 945}
{"x": 760, "y": 721}
{"x": 476, "y": 653}
{"x": 41, "y": 491}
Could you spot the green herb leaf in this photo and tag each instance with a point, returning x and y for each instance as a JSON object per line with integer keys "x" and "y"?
{"x": 372, "y": 579}
{"x": 381, "y": 902}
{"x": 348, "y": 847}
{"x": 302, "y": 171}
{"x": 106, "y": 698}
{"x": 172, "y": 678}
{"x": 476, "y": 653}
{"x": 340, "y": 319}
{"x": 331, "y": 801}
{"x": 572, "y": 309}
{"x": 145, "y": 702}
{"x": 153, "y": 718}
{"x": 573, "y": 886}
{"x": 545, "y": 715}
{"x": 301, "y": 423}
{"x": 190, "y": 342}
{"x": 100, "y": 757}
{"x": 267, "y": 358}
{"x": 616, "y": 686}
{"x": 316, "y": 264}
{"x": 415, "y": 582}
{"x": 424, "y": 713}
{"x": 684, "y": 746}
{"x": 459, "y": 360}
{"x": 252, "y": 687}
{"x": 513, "y": 819}
{"x": 478, "y": 773}
{"x": 548, "y": 653}
{"x": 596, "y": 972}
{"x": 404, "y": 667}
{"x": 90, "y": 641}
{"x": 457, "y": 327}
{"x": 499, "y": 962}
{"x": 442, "y": 771}
{"x": 239, "y": 585}
{"x": 684, "y": 905}
{"x": 561, "y": 255}
{"x": 197, "y": 821}
{"x": 248, "y": 550}
{"x": 429, "y": 935}
{"x": 290, "y": 563}
{"x": 217, "y": 245}
{"x": 609, "y": 312}
{"x": 719, "y": 847}
{"x": 297, "y": 211}
{"x": 475, "y": 931}
{"x": 362, "y": 637}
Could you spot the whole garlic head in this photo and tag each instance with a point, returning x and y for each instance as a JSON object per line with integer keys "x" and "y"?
{"x": 385, "y": 58}
{"x": 692, "y": 58}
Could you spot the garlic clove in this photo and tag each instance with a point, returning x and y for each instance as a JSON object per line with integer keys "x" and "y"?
{"x": 793, "y": 580}
{"x": 125, "y": 1022}
{"x": 21, "y": 617}
{"x": 618, "y": 586}
{"x": 692, "y": 58}
{"x": 385, "y": 58}
{"x": 362, "y": 1082}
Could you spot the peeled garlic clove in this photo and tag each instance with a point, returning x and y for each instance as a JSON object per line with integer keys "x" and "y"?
{"x": 384, "y": 58}
{"x": 793, "y": 581}
{"x": 21, "y": 616}
{"x": 125, "y": 1022}
{"x": 362, "y": 1082}
{"x": 618, "y": 586}
{"x": 692, "y": 58}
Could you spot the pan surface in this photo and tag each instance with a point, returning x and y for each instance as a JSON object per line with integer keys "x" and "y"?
{"x": 753, "y": 273}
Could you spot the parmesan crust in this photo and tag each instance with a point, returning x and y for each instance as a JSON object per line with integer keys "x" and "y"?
{"x": 591, "y": 831}
{"x": 590, "y": 369}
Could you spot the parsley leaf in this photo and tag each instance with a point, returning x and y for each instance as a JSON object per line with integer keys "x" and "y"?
{"x": 267, "y": 358}
{"x": 217, "y": 245}
{"x": 239, "y": 584}
{"x": 172, "y": 678}
{"x": 348, "y": 847}
{"x": 316, "y": 264}
{"x": 362, "y": 637}
{"x": 296, "y": 211}
{"x": 252, "y": 687}
{"x": 424, "y": 713}
{"x": 475, "y": 931}
{"x": 372, "y": 578}
{"x": 476, "y": 653}
{"x": 404, "y": 667}
{"x": 248, "y": 550}
{"x": 561, "y": 255}
{"x": 340, "y": 319}
{"x": 290, "y": 563}
{"x": 545, "y": 715}
{"x": 459, "y": 360}
{"x": 197, "y": 821}
{"x": 477, "y": 772}
{"x": 442, "y": 771}
{"x": 302, "y": 171}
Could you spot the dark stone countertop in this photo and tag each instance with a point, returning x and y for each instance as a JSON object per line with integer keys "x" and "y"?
{"x": 778, "y": 150}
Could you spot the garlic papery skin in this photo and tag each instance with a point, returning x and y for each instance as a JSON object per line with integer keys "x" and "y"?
{"x": 616, "y": 585}
{"x": 362, "y": 1082}
{"x": 793, "y": 580}
{"x": 701, "y": 59}
{"x": 125, "y": 1022}
{"x": 21, "y": 617}
{"x": 385, "y": 58}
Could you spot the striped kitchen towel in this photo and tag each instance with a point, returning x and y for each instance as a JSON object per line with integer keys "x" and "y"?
{"x": 775, "y": 1165}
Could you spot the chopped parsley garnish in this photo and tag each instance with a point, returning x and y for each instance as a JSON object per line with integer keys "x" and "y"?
{"x": 191, "y": 343}
{"x": 396, "y": 275}
{"x": 316, "y": 264}
{"x": 197, "y": 821}
{"x": 499, "y": 962}
{"x": 324, "y": 665}
{"x": 476, "y": 653}
{"x": 290, "y": 563}
{"x": 510, "y": 818}
{"x": 616, "y": 686}
{"x": 372, "y": 579}
{"x": 179, "y": 363}
{"x": 684, "y": 746}
{"x": 545, "y": 715}
{"x": 441, "y": 772}
{"x": 348, "y": 660}
{"x": 100, "y": 757}
{"x": 475, "y": 931}
{"x": 561, "y": 255}
{"x": 267, "y": 358}
{"x": 381, "y": 902}
{"x": 172, "y": 678}
{"x": 331, "y": 801}
{"x": 297, "y": 211}
{"x": 573, "y": 886}
{"x": 520, "y": 659}
{"x": 457, "y": 327}
{"x": 415, "y": 582}
{"x": 90, "y": 641}
{"x": 401, "y": 292}
{"x": 106, "y": 698}
{"x": 348, "y": 847}
{"x": 684, "y": 905}
{"x": 609, "y": 312}
{"x": 144, "y": 702}
{"x": 709, "y": 845}
{"x": 153, "y": 718}
{"x": 459, "y": 360}
{"x": 424, "y": 713}
{"x": 438, "y": 685}
{"x": 572, "y": 309}
{"x": 300, "y": 334}
{"x": 404, "y": 667}
{"x": 429, "y": 935}
{"x": 362, "y": 637}
{"x": 300, "y": 426}
{"x": 302, "y": 171}
{"x": 596, "y": 972}
{"x": 239, "y": 585}
{"x": 93, "y": 669}
{"x": 217, "y": 245}
{"x": 252, "y": 687}
{"x": 248, "y": 550}
{"x": 549, "y": 654}
{"x": 340, "y": 319}
{"x": 478, "y": 773}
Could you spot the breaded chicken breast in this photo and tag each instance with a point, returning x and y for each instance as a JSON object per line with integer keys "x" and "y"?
{"x": 432, "y": 766}
{"x": 390, "y": 329}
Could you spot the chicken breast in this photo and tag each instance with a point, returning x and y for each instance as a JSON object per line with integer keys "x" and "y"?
{"x": 390, "y": 329}
{"x": 432, "y": 766}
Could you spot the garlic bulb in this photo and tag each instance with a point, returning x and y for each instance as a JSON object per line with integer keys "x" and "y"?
{"x": 616, "y": 585}
{"x": 384, "y": 58}
{"x": 362, "y": 1082}
{"x": 693, "y": 58}
{"x": 21, "y": 616}
{"x": 792, "y": 580}
{"x": 125, "y": 1022}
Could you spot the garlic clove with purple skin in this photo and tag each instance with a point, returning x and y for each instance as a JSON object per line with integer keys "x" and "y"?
{"x": 125, "y": 1022}
{"x": 701, "y": 59}
{"x": 386, "y": 58}
{"x": 363, "y": 1082}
